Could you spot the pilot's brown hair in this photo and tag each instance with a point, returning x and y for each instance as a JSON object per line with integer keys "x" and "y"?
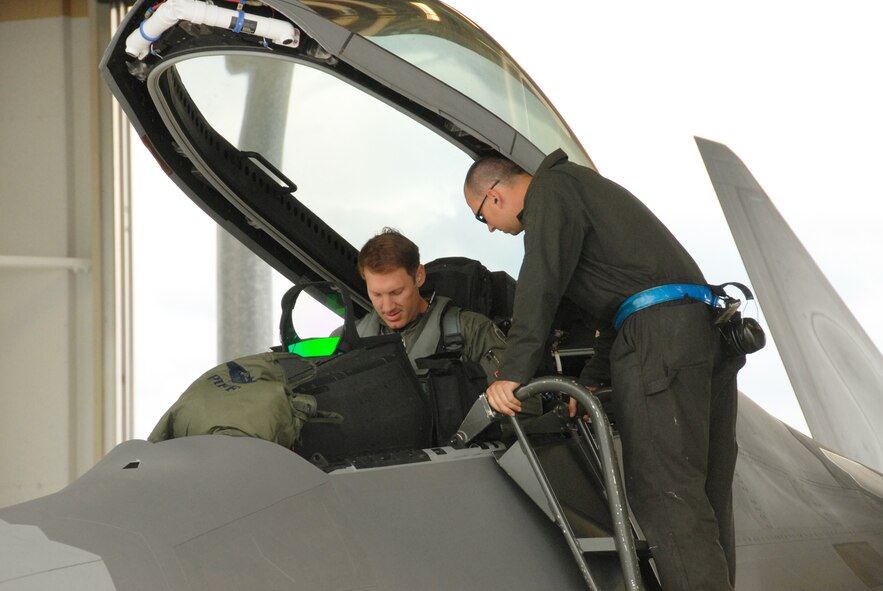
{"x": 485, "y": 171}
{"x": 388, "y": 251}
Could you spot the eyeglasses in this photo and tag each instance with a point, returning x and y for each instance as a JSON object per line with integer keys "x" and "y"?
{"x": 478, "y": 215}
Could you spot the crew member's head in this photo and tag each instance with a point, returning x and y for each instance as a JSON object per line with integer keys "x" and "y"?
{"x": 390, "y": 265}
{"x": 495, "y": 188}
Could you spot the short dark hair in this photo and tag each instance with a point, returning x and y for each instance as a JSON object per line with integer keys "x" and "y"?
{"x": 485, "y": 171}
{"x": 388, "y": 251}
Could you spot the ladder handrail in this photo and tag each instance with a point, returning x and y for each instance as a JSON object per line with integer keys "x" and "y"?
{"x": 622, "y": 534}
{"x": 554, "y": 505}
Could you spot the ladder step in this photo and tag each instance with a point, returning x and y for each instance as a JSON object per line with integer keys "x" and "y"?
{"x": 609, "y": 545}
{"x": 596, "y": 544}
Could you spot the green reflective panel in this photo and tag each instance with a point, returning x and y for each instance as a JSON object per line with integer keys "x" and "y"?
{"x": 320, "y": 347}
{"x": 446, "y": 45}
{"x": 334, "y": 302}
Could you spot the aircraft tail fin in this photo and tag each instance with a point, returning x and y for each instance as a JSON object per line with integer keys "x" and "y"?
{"x": 834, "y": 367}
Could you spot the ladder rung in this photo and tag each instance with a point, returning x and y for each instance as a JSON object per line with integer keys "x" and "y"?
{"x": 597, "y": 544}
{"x": 609, "y": 545}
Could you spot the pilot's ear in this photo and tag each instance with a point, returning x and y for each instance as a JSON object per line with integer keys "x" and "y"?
{"x": 420, "y": 276}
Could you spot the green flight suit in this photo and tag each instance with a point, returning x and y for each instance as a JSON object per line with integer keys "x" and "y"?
{"x": 483, "y": 342}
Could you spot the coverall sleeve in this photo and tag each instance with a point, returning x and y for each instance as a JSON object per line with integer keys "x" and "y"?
{"x": 555, "y": 227}
{"x": 483, "y": 342}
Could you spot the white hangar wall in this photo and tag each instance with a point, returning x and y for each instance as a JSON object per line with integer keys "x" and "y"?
{"x": 60, "y": 392}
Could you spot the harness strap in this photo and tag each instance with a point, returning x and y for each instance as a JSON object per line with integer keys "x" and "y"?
{"x": 663, "y": 293}
{"x": 442, "y": 331}
{"x": 452, "y": 337}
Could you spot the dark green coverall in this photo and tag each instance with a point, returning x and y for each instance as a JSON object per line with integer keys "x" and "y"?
{"x": 674, "y": 389}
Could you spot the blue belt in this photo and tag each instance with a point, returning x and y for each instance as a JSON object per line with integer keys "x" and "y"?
{"x": 663, "y": 293}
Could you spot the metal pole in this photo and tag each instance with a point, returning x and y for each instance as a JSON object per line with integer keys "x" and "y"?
{"x": 245, "y": 282}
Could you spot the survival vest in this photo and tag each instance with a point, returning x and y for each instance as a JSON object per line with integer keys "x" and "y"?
{"x": 441, "y": 330}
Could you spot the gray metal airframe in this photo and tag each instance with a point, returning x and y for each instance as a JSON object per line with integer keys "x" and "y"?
{"x": 216, "y": 512}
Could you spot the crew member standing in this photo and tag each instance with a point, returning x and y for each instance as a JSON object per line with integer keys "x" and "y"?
{"x": 674, "y": 387}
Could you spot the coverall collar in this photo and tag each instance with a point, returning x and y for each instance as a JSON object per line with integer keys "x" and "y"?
{"x": 556, "y": 157}
{"x": 551, "y": 160}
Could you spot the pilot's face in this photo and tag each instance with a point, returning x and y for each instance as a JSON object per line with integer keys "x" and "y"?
{"x": 396, "y": 295}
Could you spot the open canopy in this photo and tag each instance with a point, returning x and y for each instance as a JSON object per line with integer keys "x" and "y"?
{"x": 359, "y": 115}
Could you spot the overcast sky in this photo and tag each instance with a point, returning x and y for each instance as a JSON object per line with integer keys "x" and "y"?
{"x": 791, "y": 87}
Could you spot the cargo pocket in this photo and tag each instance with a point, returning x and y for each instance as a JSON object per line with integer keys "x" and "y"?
{"x": 688, "y": 377}
{"x": 660, "y": 385}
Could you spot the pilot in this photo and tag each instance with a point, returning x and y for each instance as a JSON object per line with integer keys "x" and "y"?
{"x": 674, "y": 386}
{"x": 390, "y": 264}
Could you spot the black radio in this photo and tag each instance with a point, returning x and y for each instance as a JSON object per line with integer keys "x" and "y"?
{"x": 742, "y": 335}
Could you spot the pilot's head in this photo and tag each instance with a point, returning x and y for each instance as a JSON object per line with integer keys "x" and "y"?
{"x": 495, "y": 188}
{"x": 390, "y": 265}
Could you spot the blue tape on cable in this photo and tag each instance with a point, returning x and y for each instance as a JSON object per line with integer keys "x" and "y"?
{"x": 145, "y": 35}
{"x": 240, "y": 20}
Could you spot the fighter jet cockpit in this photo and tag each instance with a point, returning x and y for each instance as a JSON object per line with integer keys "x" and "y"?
{"x": 303, "y": 128}
{"x": 371, "y": 403}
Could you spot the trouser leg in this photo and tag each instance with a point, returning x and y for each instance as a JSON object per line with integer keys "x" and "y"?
{"x": 723, "y": 451}
{"x": 662, "y": 364}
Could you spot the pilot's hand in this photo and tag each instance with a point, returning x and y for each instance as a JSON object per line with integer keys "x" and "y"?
{"x": 573, "y": 403}
{"x": 501, "y": 396}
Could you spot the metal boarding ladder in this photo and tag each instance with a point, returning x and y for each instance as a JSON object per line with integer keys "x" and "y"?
{"x": 481, "y": 415}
